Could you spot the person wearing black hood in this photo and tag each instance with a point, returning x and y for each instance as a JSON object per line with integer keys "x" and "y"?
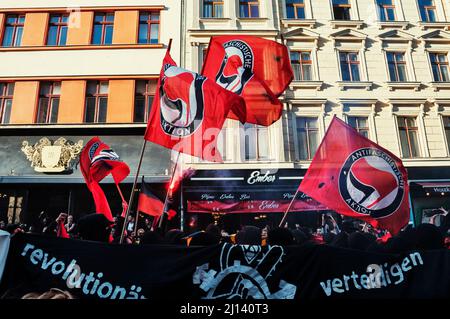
{"x": 95, "y": 227}
{"x": 280, "y": 236}
{"x": 249, "y": 235}
{"x": 300, "y": 237}
{"x": 215, "y": 231}
{"x": 203, "y": 239}
{"x": 429, "y": 237}
{"x": 175, "y": 237}
{"x": 360, "y": 241}
{"x": 340, "y": 240}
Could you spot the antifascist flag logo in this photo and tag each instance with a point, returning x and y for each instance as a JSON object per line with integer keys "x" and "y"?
{"x": 189, "y": 110}
{"x": 181, "y": 98}
{"x": 371, "y": 183}
{"x": 237, "y": 66}
{"x": 356, "y": 177}
{"x": 257, "y": 69}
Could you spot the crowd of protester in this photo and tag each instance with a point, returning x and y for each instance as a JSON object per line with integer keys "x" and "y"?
{"x": 348, "y": 233}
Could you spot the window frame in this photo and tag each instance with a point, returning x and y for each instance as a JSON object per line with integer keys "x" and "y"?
{"x": 358, "y": 128}
{"x": 385, "y": 9}
{"x": 213, "y": 3}
{"x": 60, "y": 24}
{"x": 407, "y": 129}
{"x": 426, "y": 9}
{"x": 249, "y": 4}
{"x": 257, "y": 143}
{"x": 307, "y": 130}
{"x": 302, "y": 62}
{"x": 104, "y": 23}
{"x": 349, "y": 63}
{"x": 15, "y": 26}
{"x": 4, "y": 97}
{"x": 348, "y": 6}
{"x": 49, "y": 107}
{"x": 396, "y": 63}
{"x": 149, "y": 26}
{"x": 438, "y": 64}
{"x": 295, "y": 6}
{"x": 97, "y": 95}
{"x": 147, "y": 94}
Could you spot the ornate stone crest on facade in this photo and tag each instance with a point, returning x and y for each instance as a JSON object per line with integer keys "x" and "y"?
{"x": 46, "y": 157}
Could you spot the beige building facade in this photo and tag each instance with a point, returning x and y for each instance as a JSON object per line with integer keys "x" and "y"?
{"x": 381, "y": 66}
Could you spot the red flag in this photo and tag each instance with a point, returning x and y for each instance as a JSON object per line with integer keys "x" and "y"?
{"x": 356, "y": 177}
{"x": 257, "y": 69}
{"x": 189, "y": 110}
{"x": 97, "y": 160}
{"x": 62, "y": 232}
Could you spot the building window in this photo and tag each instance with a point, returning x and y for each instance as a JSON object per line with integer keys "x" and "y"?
{"x": 49, "y": 94}
{"x": 212, "y": 9}
{"x": 222, "y": 141}
{"x": 397, "y": 66}
{"x": 409, "y": 140}
{"x": 308, "y": 137}
{"x": 103, "y": 28}
{"x": 446, "y": 120}
{"x": 301, "y": 65}
{"x": 341, "y": 9}
{"x": 149, "y": 28}
{"x": 439, "y": 65}
{"x": 349, "y": 66}
{"x": 12, "y": 36}
{"x": 249, "y": 8}
{"x": 295, "y": 9}
{"x": 57, "y": 30}
{"x": 360, "y": 124}
{"x": 144, "y": 94}
{"x": 6, "y": 98}
{"x": 427, "y": 10}
{"x": 256, "y": 141}
{"x": 96, "y": 102}
{"x": 386, "y": 9}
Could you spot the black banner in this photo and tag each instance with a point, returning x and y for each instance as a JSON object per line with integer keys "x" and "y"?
{"x": 106, "y": 271}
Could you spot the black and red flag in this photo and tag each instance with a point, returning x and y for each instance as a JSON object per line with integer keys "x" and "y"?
{"x": 151, "y": 200}
{"x": 257, "y": 69}
{"x": 189, "y": 110}
{"x": 356, "y": 177}
{"x": 97, "y": 160}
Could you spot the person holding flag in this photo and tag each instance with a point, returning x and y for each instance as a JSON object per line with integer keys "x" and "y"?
{"x": 358, "y": 178}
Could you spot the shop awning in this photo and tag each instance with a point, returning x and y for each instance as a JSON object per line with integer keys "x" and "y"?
{"x": 434, "y": 184}
{"x": 246, "y": 191}
{"x": 254, "y": 206}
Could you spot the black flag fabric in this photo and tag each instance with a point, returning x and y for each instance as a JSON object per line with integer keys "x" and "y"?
{"x": 151, "y": 200}
{"x": 107, "y": 271}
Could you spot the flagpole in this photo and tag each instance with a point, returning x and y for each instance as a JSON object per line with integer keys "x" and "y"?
{"x": 130, "y": 202}
{"x": 120, "y": 193}
{"x": 181, "y": 207}
{"x": 283, "y": 220}
{"x": 168, "y": 190}
{"x": 136, "y": 224}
